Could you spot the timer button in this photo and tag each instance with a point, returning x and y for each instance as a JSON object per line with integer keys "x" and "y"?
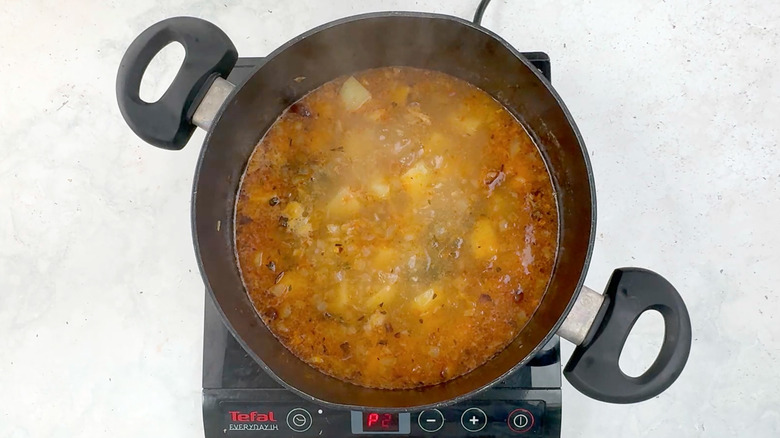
{"x": 431, "y": 420}
{"x": 473, "y": 419}
{"x": 520, "y": 420}
{"x": 299, "y": 420}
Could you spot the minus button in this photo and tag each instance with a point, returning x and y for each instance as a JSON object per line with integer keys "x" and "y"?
{"x": 431, "y": 420}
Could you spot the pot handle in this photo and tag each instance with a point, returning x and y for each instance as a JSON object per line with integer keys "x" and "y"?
{"x": 593, "y": 368}
{"x": 167, "y": 123}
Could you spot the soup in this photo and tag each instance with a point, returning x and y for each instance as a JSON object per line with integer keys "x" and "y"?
{"x": 396, "y": 228}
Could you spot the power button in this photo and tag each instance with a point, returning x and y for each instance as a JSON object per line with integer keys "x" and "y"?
{"x": 520, "y": 420}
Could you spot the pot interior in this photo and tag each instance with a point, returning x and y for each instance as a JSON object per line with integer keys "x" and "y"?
{"x": 426, "y": 41}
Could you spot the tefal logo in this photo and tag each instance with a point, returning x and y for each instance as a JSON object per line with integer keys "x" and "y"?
{"x": 252, "y": 417}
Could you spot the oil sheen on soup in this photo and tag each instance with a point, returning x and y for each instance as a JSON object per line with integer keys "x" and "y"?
{"x": 396, "y": 228}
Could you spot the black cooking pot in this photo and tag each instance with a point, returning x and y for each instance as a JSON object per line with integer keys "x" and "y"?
{"x": 237, "y": 118}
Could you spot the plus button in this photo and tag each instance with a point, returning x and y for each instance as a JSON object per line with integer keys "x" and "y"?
{"x": 473, "y": 419}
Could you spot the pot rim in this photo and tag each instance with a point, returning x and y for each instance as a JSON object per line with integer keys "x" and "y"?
{"x": 586, "y": 260}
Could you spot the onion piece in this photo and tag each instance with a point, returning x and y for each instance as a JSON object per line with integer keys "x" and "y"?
{"x": 424, "y": 299}
{"x": 278, "y": 289}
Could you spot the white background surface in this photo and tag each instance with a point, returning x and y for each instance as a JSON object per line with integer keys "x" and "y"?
{"x": 100, "y": 298}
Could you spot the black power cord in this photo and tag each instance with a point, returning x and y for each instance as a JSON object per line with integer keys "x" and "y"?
{"x": 480, "y": 12}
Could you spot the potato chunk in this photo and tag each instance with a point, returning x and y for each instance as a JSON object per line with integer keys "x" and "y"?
{"x": 399, "y": 94}
{"x": 385, "y": 258}
{"x": 340, "y": 298}
{"x": 353, "y": 94}
{"x": 380, "y": 188}
{"x": 436, "y": 143}
{"x": 484, "y": 242}
{"x": 344, "y": 203}
{"x": 296, "y": 222}
{"x": 416, "y": 180}
{"x": 470, "y": 125}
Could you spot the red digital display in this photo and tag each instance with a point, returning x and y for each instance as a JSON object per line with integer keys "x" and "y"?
{"x": 377, "y": 422}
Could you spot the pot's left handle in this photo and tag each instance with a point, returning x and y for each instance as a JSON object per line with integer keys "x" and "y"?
{"x": 168, "y": 122}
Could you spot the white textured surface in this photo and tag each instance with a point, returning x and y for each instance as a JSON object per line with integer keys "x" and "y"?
{"x": 101, "y": 303}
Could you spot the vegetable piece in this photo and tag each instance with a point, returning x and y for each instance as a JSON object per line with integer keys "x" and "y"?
{"x": 285, "y": 282}
{"x": 385, "y": 258}
{"x": 417, "y": 116}
{"x": 470, "y": 125}
{"x": 375, "y": 320}
{"x": 500, "y": 204}
{"x": 294, "y": 210}
{"x": 514, "y": 147}
{"x": 436, "y": 143}
{"x": 424, "y": 299}
{"x": 416, "y": 180}
{"x": 343, "y": 204}
{"x": 484, "y": 242}
{"x": 296, "y": 222}
{"x": 399, "y": 94}
{"x": 353, "y": 94}
{"x": 340, "y": 299}
{"x": 278, "y": 289}
{"x": 377, "y": 115}
{"x": 384, "y": 296}
{"x": 496, "y": 178}
{"x": 380, "y": 188}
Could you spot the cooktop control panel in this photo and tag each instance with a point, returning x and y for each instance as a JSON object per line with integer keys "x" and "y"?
{"x": 299, "y": 419}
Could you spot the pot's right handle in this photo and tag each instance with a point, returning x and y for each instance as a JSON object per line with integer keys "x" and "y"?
{"x": 167, "y": 123}
{"x": 593, "y": 368}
